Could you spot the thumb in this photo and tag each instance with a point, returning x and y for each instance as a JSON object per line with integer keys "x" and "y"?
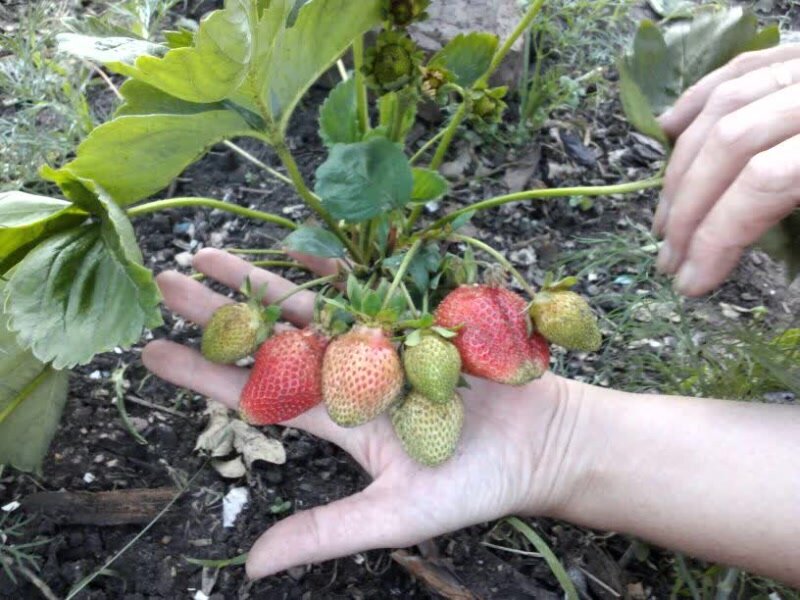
{"x": 364, "y": 521}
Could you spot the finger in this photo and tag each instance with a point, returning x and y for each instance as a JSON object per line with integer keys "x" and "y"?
{"x": 187, "y": 368}
{"x": 317, "y": 264}
{"x": 676, "y": 120}
{"x": 233, "y": 271}
{"x": 189, "y": 298}
{"x": 733, "y": 141}
{"x": 725, "y": 99}
{"x": 767, "y": 190}
{"x": 364, "y": 521}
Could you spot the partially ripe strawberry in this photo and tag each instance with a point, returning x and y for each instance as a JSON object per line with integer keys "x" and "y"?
{"x": 234, "y": 332}
{"x": 361, "y": 376}
{"x": 286, "y": 379}
{"x": 433, "y": 367}
{"x": 566, "y": 319}
{"x": 429, "y": 431}
{"x": 493, "y": 337}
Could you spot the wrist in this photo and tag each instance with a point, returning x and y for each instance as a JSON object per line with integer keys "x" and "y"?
{"x": 566, "y": 454}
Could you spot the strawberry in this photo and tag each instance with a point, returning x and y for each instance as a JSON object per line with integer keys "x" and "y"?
{"x": 433, "y": 367}
{"x": 566, "y": 319}
{"x": 361, "y": 376}
{"x": 493, "y": 333}
{"x": 429, "y": 431}
{"x": 286, "y": 379}
{"x": 539, "y": 349}
{"x": 234, "y": 332}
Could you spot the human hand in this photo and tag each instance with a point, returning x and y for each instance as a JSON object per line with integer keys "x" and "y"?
{"x": 735, "y": 170}
{"x": 510, "y": 458}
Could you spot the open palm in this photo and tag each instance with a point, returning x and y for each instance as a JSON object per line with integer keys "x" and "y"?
{"x": 494, "y": 472}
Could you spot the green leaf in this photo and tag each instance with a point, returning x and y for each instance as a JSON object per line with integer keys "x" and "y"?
{"x": 338, "y": 117}
{"x": 467, "y": 56}
{"x": 32, "y": 397}
{"x": 143, "y": 99}
{"x": 428, "y": 185}
{"x": 782, "y": 243}
{"x": 637, "y": 107}
{"x": 302, "y": 49}
{"x": 210, "y": 70}
{"x": 133, "y": 157}
{"x": 83, "y": 291}
{"x": 660, "y": 67}
{"x": 26, "y": 219}
{"x": 462, "y": 220}
{"x": 315, "y": 241}
{"x": 361, "y": 181}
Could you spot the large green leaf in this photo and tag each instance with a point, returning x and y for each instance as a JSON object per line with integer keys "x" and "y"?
{"x": 143, "y": 99}
{"x": 32, "y": 397}
{"x": 314, "y": 241}
{"x": 208, "y": 71}
{"x": 134, "y": 156}
{"x": 661, "y": 66}
{"x": 302, "y": 49}
{"x": 467, "y": 56}
{"x": 338, "y": 117}
{"x": 361, "y": 181}
{"x": 83, "y": 291}
{"x": 26, "y": 219}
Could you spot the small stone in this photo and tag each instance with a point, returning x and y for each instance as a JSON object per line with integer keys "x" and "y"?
{"x": 184, "y": 259}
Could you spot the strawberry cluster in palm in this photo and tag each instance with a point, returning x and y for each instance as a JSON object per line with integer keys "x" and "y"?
{"x": 371, "y": 350}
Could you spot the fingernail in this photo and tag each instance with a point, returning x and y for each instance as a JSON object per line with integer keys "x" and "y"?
{"x": 667, "y": 259}
{"x": 687, "y": 280}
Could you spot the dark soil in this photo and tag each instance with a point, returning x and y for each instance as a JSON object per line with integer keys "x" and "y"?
{"x": 92, "y": 438}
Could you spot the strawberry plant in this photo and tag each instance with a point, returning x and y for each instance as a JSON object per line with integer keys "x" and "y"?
{"x": 404, "y": 316}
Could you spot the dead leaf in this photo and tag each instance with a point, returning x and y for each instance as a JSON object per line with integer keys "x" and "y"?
{"x": 217, "y": 438}
{"x": 230, "y": 469}
{"x": 254, "y": 445}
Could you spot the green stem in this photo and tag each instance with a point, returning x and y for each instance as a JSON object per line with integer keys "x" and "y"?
{"x": 312, "y": 199}
{"x": 401, "y": 272}
{"x": 361, "y": 89}
{"x": 24, "y": 393}
{"x": 409, "y": 300}
{"x": 521, "y": 27}
{"x": 150, "y": 207}
{"x": 426, "y": 146}
{"x": 448, "y": 135}
{"x": 600, "y": 190}
{"x": 499, "y": 258}
{"x": 305, "y": 286}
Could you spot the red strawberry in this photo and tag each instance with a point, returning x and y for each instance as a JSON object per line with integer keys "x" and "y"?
{"x": 286, "y": 379}
{"x": 493, "y": 337}
{"x": 361, "y": 376}
{"x": 539, "y": 352}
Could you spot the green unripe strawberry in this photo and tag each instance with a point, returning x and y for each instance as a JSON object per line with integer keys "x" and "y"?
{"x": 433, "y": 367}
{"x": 234, "y": 332}
{"x": 429, "y": 431}
{"x": 566, "y": 319}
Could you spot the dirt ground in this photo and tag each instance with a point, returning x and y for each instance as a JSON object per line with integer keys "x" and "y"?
{"x": 92, "y": 438}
